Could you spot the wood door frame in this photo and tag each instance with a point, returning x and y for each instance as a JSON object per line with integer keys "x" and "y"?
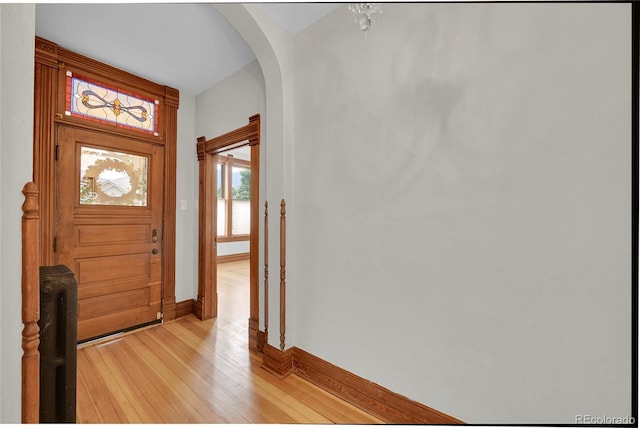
{"x": 50, "y": 64}
{"x": 206, "y": 304}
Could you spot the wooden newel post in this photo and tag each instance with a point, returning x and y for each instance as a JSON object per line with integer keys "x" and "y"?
{"x": 30, "y": 305}
{"x": 266, "y": 271}
{"x": 283, "y": 264}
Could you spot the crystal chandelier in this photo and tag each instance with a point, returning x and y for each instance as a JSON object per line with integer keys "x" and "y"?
{"x": 364, "y": 14}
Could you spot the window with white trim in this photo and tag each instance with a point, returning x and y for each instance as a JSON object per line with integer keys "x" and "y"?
{"x": 234, "y": 199}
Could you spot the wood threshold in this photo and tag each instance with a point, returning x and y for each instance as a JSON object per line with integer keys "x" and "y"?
{"x": 115, "y": 336}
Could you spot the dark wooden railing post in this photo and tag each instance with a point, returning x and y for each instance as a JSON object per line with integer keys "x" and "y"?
{"x": 266, "y": 271}
{"x": 283, "y": 267}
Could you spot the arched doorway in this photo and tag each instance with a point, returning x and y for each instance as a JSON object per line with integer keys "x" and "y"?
{"x": 274, "y": 52}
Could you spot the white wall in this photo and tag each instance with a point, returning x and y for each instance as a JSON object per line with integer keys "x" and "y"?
{"x": 2, "y": 61}
{"x": 229, "y": 104}
{"x": 186, "y": 199}
{"x": 16, "y": 143}
{"x": 225, "y": 107}
{"x": 462, "y": 206}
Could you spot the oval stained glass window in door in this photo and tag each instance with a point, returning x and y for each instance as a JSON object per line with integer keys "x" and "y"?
{"x": 112, "y": 178}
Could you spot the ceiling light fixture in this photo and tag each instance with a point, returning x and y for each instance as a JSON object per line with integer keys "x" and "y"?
{"x": 365, "y": 14}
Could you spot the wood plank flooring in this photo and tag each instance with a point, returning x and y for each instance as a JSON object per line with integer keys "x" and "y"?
{"x": 189, "y": 371}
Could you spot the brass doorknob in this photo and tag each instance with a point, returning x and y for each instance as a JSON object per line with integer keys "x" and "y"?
{"x": 155, "y": 251}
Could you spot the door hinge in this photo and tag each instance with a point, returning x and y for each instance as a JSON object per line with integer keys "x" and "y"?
{"x": 55, "y": 244}
{"x": 57, "y": 151}
{"x": 158, "y": 315}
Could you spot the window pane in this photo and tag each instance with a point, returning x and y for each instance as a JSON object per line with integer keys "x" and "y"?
{"x": 222, "y": 203}
{"x": 241, "y": 208}
{"x": 241, "y": 183}
{"x": 222, "y": 216}
{"x": 102, "y": 103}
{"x": 112, "y": 178}
{"x": 241, "y": 222}
{"x": 220, "y": 173}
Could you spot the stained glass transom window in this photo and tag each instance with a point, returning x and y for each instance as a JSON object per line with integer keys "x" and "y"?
{"x": 99, "y": 102}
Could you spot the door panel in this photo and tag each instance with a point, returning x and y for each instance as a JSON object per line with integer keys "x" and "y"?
{"x": 89, "y": 235}
{"x": 109, "y": 219}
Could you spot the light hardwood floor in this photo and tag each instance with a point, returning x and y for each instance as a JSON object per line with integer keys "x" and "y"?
{"x": 189, "y": 371}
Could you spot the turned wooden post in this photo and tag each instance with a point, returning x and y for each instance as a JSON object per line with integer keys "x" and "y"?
{"x": 283, "y": 268}
{"x": 266, "y": 271}
{"x": 30, "y": 305}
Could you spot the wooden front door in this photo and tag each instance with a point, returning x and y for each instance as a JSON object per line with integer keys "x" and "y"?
{"x": 109, "y": 227}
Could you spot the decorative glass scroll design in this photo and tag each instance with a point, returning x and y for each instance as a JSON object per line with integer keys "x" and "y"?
{"x": 112, "y": 178}
{"x": 99, "y": 102}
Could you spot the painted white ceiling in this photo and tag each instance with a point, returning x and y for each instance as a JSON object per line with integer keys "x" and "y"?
{"x": 188, "y": 46}
{"x": 295, "y": 17}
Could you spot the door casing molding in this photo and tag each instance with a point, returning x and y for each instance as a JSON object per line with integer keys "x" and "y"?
{"x": 206, "y": 304}
{"x": 51, "y": 63}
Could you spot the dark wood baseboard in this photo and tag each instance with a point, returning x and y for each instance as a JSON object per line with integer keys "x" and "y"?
{"x": 276, "y": 361}
{"x": 197, "y": 309}
{"x": 262, "y": 341}
{"x": 232, "y": 258}
{"x": 185, "y": 308}
{"x": 374, "y": 399}
{"x": 169, "y": 308}
{"x": 253, "y": 334}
